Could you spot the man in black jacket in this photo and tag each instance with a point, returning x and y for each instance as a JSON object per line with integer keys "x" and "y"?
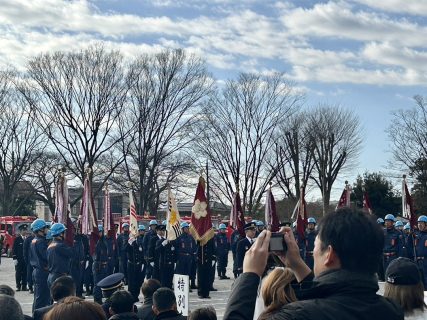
{"x": 164, "y": 305}
{"x": 19, "y": 259}
{"x": 347, "y": 251}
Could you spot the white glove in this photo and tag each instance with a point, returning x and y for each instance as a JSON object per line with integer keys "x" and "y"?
{"x": 142, "y": 267}
{"x": 87, "y": 264}
{"x": 213, "y": 263}
{"x": 152, "y": 264}
{"x": 165, "y": 242}
{"x": 15, "y": 262}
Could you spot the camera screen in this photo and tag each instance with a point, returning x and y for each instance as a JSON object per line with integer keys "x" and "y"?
{"x": 276, "y": 243}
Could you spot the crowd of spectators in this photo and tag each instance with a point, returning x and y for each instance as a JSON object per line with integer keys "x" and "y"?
{"x": 343, "y": 284}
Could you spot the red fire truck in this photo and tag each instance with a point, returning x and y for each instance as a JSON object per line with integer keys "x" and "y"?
{"x": 9, "y": 227}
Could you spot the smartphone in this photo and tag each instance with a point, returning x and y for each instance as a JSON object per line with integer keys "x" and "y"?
{"x": 277, "y": 242}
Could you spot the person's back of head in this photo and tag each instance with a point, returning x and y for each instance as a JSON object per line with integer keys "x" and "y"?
{"x": 204, "y": 313}
{"x": 163, "y": 300}
{"x": 62, "y": 287}
{"x": 355, "y": 237}
{"x": 10, "y": 309}
{"x": 277, "y": 291}
{"x": 121, "y": 302}
{"x": 404, "y": 285}
{"x": 73, "y": 308}
{"x": 5, "y": 289}
{"x": 149, "y": 287}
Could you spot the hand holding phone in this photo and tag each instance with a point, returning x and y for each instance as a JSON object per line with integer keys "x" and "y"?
{"x": 277, "y": 243}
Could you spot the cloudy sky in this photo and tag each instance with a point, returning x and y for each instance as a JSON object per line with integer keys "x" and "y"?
{"x": 367, "y": 55}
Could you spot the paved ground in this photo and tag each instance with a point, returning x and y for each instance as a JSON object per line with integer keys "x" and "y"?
{"x": 218, "y": 298}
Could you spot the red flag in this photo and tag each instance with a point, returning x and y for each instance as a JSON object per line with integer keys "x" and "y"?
{"x": 62, "y": 214}
{"x": 408, "y": 205}
{"x": 302, "y": 214}
{"x": 201, "y": 223}
{"x": 133, "y": 220}
{"x": 367, "y": 203}
{"x": 237, "y": 219}
{"x": 88, "y": 216}
{"x": 345, "y": 197}
{"x": 271, "y": 218}
{"x": 108, "y": 221}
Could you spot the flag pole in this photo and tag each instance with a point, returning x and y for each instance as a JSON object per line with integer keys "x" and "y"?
{"x": 404, "y": 210}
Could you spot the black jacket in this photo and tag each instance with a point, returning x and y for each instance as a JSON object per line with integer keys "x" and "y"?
{"x": 40, "y": 313}
{"x": 145, "y": 312}
{"x": 170, "y": 315}
{"x": 337, "y": 294}
{"x": 124, "y": 316}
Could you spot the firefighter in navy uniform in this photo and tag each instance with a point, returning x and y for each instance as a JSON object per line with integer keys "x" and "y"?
{"x": 151, "y": 233}
{"x": 88, "y": 273}
{"x": 420, "y": 242}
{"x": 310, "y": 236}
{"x": 234, "y": 239}
{"x": 122, "y": 243}
{"x": 186, "y": 248}
{"x": 153, "y": 254}
{"x": 205, "y": 261}
{"x": 19, "y": 260}
{"x": 59, "y": 254}
{"x": 166, "y": 259}
{"x": 113, "y": 249}
{"x": 78, "y": 262}
{"x": 38, "y": 260}
{"x": 108, "y": 286}
{"x": 244, "y": 244}
{"x": 222, "y": 249}
{"x": 26, "y": 251}
{"x": 392, "y": 241}
{"x": 136, "y": 263}
{"x": 100, "y": 264}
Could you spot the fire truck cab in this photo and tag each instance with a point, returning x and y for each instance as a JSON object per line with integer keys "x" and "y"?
{"x": 9, "y": 226}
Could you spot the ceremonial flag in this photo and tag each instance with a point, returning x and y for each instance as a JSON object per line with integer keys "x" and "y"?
{"x": 201, "y": 223}
{"x": 62, "y": 214}
{"x": 366, "y": 203}
{"x": 407, "y": 205}
{"x": 173, "y": 218}
{"x": 271, "y": 218}
{"x": 108, "y": 215}
{"x": 237, "y": 219}
{"x": 345, "y": 197}
{"x": 88, "y": 218}
{"x": 133, "y": 221}
{"x": 302, "y": 214}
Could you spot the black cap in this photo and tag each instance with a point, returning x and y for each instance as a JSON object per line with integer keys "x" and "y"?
{"x": 161, "y": 227}
{"x": 23, "y": 227}
{"x": 250, "y": 225}
{"x": 111, "y": 282}
{"x": 402, "y": 271}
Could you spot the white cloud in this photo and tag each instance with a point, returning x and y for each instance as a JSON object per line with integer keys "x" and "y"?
{"x": 414, "y": 7}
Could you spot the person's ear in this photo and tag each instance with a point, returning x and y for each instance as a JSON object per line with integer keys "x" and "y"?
{"x": 156, "y": 312}
{"x": 111, "y": 312}
{"x": 331, "y": 259}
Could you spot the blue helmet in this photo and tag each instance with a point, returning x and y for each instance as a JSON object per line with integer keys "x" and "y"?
{"x": 389, "y": 217}
{"x": 407, "y": 227}
{"x": 164, "y": 222}
{"x": 57, "y": 229}
{"x": 422, "y": 218}
{"x": 222, "y": 226}
{"x": 38, "y": 224}
{"x": 49, "y": 235}
{"x": 153, "y": 223}
{"x": 311, "y": 220}
{"x": 100, "y": 228}
{"x": 141, "y": 227}
{"x": 380, "y": 221}
{"x": 125, "y": 225}
{"x": 185, "y": 225}
{"x": 259, "y": 223}
{"x": 398, "y": 223}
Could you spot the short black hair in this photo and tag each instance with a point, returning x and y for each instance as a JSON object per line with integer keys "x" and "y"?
{"x": 355, "y": 236}
{"x": 203, "y": 313}
{"x": 5, "y": 289}
{"x": 164, "y": 299}
{"x": 62, "y": 287}
{"x": 122, "y": 301}
{"x": 149, "y": 287}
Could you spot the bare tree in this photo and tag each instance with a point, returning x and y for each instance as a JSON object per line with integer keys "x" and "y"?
{"x": 336, "y": 139}
{"x": 294, "y": 153}
{"x": 236, "y": 132}
{"x": 21, "y": 144}
{"x": 78, "y": 97}
{"x": 166, "y": 90}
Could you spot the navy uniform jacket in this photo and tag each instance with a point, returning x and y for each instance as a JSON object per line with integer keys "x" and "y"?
{"x": 222, "y": 244}
{"x": 235, "y": 238}
{"x": 26, "y": 249}
{"x": 310, "y": 236}
{"x": 122, "y": 243}
{"x": 242, "y": 246}
{"x": 18, "y": 249}
{"x": 392, "y": 241}
{"x": 101, "y": 251}
{"x": 165, "y": 254}
{"x": 185, "y": 245}
{"x": 420, "y": 241}
{"x": 207, "y": 253}
{"x": 146, "y": 242}
{"x": 112, "y": 248}
{"x": 135, "y": 252}
{"x": 38, "y": 253}
{"x": 79, "y": 250}
{"x": 59, "y": 257}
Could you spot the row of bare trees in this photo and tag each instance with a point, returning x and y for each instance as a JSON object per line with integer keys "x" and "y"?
{"x": 156, "y": 120}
